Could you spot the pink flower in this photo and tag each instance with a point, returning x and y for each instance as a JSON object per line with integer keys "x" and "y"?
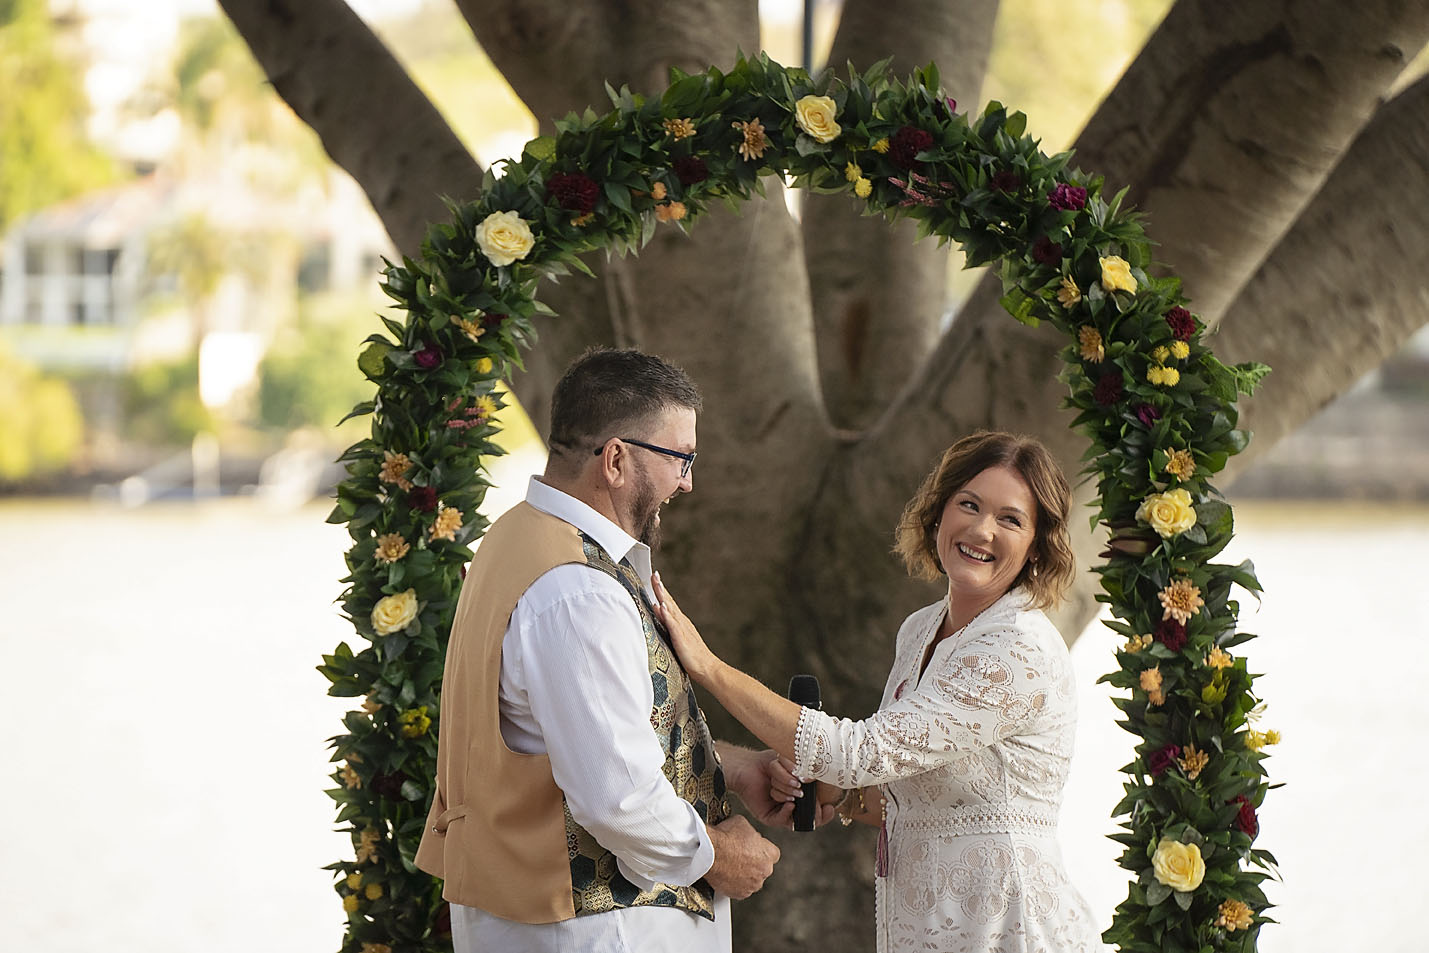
{"x": 1068, "y": 198}
{"x": 428, "y": 357}
{"x": 1147, "y": 414}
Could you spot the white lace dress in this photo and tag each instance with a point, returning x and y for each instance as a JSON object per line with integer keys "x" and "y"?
{"x": 972, "y": 758}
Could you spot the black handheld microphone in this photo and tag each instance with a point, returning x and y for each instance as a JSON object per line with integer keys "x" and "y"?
{"x": 804, "y": 690}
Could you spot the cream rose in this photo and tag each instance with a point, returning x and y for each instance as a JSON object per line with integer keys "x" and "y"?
{"x": 394, "y": 613}
{"x": 815, "y": 115}
{"x": 1116, "y": 274}
{"x": 1168, "y": 513}
{"x": 504, "y": 237}
{"x": 1178, "y": 866}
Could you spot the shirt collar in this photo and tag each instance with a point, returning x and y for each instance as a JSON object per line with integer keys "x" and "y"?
{"x": 615, "y": 541}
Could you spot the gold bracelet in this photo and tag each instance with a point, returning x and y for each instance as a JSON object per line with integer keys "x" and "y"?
{"x": 846, "y": 816}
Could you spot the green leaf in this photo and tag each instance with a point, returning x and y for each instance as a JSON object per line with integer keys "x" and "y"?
{"x": 372, "y": 360}
{"x": 542, "y": 148}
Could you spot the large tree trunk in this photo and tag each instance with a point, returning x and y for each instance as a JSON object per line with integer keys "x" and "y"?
{"x": 825, "y": 405}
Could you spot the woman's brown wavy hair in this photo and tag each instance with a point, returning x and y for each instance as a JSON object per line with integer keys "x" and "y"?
{"x": 1050, "y": 565}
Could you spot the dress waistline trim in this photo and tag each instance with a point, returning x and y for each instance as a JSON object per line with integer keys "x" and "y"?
{"x": 977, "y": 819}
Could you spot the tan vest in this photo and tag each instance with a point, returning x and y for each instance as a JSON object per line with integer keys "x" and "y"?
{"x": 498, "y": 832}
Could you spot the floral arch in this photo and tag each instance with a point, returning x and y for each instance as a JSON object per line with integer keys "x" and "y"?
{"x": 1156, "y": 405}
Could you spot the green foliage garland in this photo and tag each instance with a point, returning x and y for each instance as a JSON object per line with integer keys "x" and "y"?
{"x": 1158, "y": 407}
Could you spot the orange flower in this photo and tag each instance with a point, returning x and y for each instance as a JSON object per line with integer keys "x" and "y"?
{"x": 394, "y": 469}
{"x": 1234, "y": 915}
{"x": 670, "y": 211}
{"x": 448, "y": 521}
{"x": 1193, "y": 762}
{"x": 1180, "y": 464}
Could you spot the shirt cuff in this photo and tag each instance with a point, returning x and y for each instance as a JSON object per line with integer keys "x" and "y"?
{"x": 699, "y": 864}
{"x": 805, "y": 735}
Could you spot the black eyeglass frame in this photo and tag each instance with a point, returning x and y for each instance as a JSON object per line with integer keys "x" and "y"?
{"x": 688, "y": 458}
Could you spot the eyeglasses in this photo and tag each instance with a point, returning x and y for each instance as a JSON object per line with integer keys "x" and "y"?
{"x": 687, "y": 459}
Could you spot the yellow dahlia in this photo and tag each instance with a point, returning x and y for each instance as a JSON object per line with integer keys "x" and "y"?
{"x": 391, "y": 547}
{"x": 1089, "y": 343}
{"x": 755, "y": 141}
{"x": 852, "y": 172}
{"x": 1180, "y": 350}
{"x": 679, "y": 128}
{"x": 472, "y": 329}
{"x": 372, "y": 891}
{"x": 1234, "y": 915}
{"x": 484, "y": 365}
{"x": 1180, "y": 464}
{"x": 880, "y": 146}
{"x": 863, "y": 188}
{"x": 1193, "y": 762}
{"x": 394, "y": 469}
{"x": 354, "y": 880}
{"x": 1180, "y": 600}
{"x": 448, "y": 521}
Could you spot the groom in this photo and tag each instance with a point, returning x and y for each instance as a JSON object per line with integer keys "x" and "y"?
{"x": 580, "y": 800}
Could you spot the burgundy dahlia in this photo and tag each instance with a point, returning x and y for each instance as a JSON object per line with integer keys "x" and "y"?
{"x": 1245, "y": 818}
{"x": 691, "y": 169}
{"x": 1005, "y": 181}
{"x": 1147, "y": 414}
{"x": 1068, "y": 198}
{"x": 428, "y": 357}
{"x": 1181, "y": 322}
{"x": 1046, "y": 252}
{"x": 389, "y": 785}
{"x": 1108, "y": 389}
{"x": 905, "y": 145}
{"x": 493, "y": 320}
{"x": 573, "y": 191}
{"x": 423, "y": 498}
{"x": 1163, "y": 759}
{"x": 1171, "y": 634}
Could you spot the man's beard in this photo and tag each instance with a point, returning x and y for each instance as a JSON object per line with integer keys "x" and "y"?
{"x": 646, "y": 510}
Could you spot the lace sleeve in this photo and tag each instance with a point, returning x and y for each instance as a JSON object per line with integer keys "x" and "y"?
{"x": 983, "y": 690}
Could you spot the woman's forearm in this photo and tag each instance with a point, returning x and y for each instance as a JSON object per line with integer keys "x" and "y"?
{"x": 770, "y": 717}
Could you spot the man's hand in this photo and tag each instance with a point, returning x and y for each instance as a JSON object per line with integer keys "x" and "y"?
{"x": 743, "y": 859}
{"x": 763, "y": 781}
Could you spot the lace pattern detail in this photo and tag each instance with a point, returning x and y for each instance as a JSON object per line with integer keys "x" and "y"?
{"x": 983, "y": 819}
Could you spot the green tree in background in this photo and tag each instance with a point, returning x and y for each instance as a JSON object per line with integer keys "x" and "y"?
{"x": 40, "y": 425}
{"x": 44, "y": 154}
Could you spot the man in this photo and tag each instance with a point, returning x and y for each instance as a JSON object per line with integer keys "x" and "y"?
{"x": 580, "y": 802}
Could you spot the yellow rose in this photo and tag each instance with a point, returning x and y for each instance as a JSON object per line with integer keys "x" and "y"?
{"x": 1178, "y": 866}
{"x": 862, "y": 188}
{"x": 394, "y": 613}
{"x": 815, "y": 115}
{"x": 1168, "y": 513}
{"x": 504, "y": 237}
{"x": 1116, "y": 274}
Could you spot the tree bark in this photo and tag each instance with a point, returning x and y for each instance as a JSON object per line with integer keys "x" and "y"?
{"x": 878, "y": 297}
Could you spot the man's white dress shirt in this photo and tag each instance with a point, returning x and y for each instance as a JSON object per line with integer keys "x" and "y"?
{"x": 575, "y": 684}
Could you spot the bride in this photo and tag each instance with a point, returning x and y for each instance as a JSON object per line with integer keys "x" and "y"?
{"x": 963, "y": 765}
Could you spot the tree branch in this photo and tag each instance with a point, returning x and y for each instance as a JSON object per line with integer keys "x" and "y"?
{"x": 330, "y": 68}
{"x": 1347, "y": 283}
{"x": 1231, "y": 117}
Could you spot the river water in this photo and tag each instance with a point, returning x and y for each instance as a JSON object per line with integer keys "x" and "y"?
{"x": 165, "y": 761}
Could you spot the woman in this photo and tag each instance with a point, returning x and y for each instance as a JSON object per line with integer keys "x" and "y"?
{"x": 963, "y": 765}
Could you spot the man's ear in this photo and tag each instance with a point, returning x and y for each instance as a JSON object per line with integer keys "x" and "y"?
{"x": 614, "y": 463}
